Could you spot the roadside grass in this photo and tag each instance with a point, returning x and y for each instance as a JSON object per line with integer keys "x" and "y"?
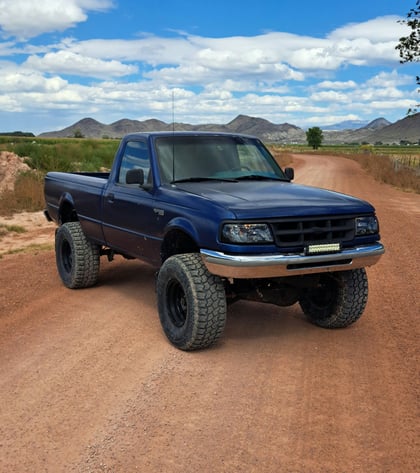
{"x": 5, "y": 229}
{"x": 395, "y": 165}
{"x": 28, "y": 194}
{"x": 398, "y": 166}
{"x": 403, "y": 174}
{"x": 33, "y": 249}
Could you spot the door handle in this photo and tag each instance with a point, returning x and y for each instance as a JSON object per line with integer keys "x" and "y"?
{"x": 110, "y": 198}
{"x": 159, "y": 212}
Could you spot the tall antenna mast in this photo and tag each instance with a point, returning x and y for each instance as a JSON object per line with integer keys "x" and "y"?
{"x": 173, "y": 137}
{"x": 173, "y": 113}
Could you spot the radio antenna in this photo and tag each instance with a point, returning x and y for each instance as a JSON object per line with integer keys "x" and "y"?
{"x": 173, "y": 112}
{"x": 173, "y": 137}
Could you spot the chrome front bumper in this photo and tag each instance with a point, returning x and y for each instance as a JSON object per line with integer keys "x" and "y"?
{"x": 275, "y": 265}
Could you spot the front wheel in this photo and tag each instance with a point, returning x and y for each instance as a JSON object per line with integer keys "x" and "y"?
{"x": 191, "y": 302}
{"x": 338, "y": 300}
{"x": 77, "y": 257}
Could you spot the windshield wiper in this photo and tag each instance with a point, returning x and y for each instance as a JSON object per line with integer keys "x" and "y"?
{"x": 201, "y": 179}
{"x": 260, "y": 177}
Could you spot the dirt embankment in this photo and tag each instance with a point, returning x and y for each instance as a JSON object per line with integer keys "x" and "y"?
{"x": 10, "y": 166}
{"x": 89, "y": 383}
{"x": 26, "y": 228}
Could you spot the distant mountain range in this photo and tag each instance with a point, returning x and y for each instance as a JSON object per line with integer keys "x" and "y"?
{"x": 379, "y": 130}
{"x": 357, "y": 124}
{"x": 346, "y": 125}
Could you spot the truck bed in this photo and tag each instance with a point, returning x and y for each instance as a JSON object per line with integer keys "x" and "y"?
{"x": 85, "y": 191}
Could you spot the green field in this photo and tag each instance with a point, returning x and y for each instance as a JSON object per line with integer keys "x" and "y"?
{"x": 62, "y": 154}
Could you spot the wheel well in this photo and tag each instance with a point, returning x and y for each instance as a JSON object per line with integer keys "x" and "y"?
{"x": 67, "y": 213}
{"x": 177, "y": 242}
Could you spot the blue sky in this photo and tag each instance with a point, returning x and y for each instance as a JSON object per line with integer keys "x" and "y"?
{"x": 302, "y": 62}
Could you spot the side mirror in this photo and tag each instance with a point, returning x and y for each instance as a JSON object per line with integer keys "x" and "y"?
{"x": 135, "y": 176}
{"x": 290, "y": 173}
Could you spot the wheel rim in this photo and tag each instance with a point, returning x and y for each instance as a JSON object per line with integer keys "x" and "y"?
{"x": 66, "y": 256}
{"x": 177, "y": 303}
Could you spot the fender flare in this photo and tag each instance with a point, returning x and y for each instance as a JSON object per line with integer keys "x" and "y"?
{"x": 183, "y": 224}
{"x": 66, "y": 200}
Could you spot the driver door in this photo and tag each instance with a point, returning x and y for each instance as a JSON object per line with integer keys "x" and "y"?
{"x": 128, "y": 214}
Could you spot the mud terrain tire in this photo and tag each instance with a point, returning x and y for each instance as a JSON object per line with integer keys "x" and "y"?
{"x": 339, "y": 299}
{"x": 191, "y": 302}
{"x": 77, "y": 258}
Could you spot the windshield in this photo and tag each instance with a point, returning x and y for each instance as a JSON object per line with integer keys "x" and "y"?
{"x": 218, "y": 157}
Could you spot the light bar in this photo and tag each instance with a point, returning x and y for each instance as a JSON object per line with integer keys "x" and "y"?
{"x": 325, "y": 248}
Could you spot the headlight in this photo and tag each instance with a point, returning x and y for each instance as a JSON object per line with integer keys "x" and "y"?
{"x": 366, "y": 226}
{"x": 247, "y": 233}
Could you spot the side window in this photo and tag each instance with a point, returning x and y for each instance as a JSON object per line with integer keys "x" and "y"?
{"x": 136, "y": 156}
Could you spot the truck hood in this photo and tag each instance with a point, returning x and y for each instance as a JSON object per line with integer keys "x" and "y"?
{"x": 260, "y": 199}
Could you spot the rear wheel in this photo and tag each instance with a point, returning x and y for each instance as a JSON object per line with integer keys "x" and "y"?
{"x": 191, "y": 302}
{"x": 77, "y": 257}
{"x": 338, "y": 300}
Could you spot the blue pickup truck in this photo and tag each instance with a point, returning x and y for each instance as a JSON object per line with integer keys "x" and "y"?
{"x": 221, "y": 221}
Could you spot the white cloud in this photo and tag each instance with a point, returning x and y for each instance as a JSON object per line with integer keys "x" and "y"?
{"x": 366, "y": 43}
{"x": 11, "y": 104}
{"x": 27, "y": 18}
{"x": 198, "y": 74}
{"x": 337, "y": 85}
{"x": 378, "y": 30}
{"x": 389, "y": 79}
{"x": 274, "y": 53}
{"x": 19, "y": 79}
{"x": 330, "y": 96}
{"x": 192, "y": 59}
{"x": 369, "y": 94}
{"x": 385, "y": 105}
{"x": 150, "y": 49}
{"x": 67, "y": 62}
{"x": 315, "y": 58}
{"x": 381, "y": 87}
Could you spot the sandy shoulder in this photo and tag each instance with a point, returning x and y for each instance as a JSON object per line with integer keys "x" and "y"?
{"x": 38, "y": 232}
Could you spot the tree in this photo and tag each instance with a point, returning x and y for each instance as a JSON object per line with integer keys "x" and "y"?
{"x": 409, "y": 46}
{"x": 314, "y": 137}
{"x": 78, "y": 133}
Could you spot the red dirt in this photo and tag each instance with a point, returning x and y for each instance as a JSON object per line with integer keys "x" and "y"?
{"x": 89, "y": 383}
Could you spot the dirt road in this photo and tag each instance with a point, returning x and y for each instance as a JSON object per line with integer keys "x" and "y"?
{"x": 88, "y": 382}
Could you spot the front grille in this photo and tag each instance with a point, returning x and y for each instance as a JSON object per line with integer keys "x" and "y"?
{"x": 300, "y": 232}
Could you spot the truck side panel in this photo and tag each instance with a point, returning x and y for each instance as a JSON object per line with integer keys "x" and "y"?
{"x": 128, "y": 220}
{"x": 84, "y": 193}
